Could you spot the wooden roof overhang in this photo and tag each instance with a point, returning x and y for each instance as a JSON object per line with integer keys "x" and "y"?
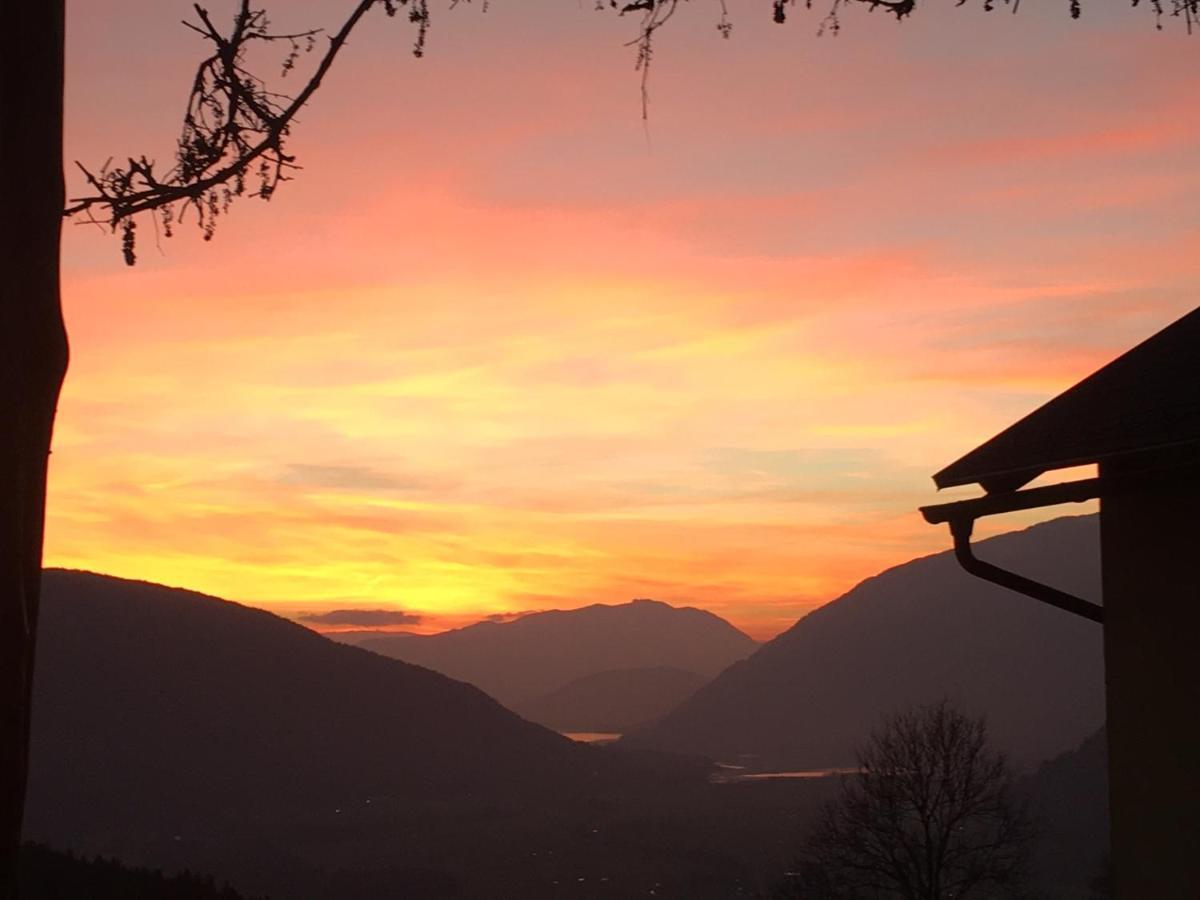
{"x": 1143, "y": 406}
{"x": 1147, "y": 399}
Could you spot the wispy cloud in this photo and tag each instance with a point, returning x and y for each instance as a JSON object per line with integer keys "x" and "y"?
{"x": 346, "y": 477}
{"x": 361, "y": 618}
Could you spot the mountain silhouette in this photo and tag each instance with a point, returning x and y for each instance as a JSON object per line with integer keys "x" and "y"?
{"x": 913, "y": 634}
{"x": 613, "y": 701}
{"x": 522, "y": 660}
{"x": 1069, "y": 796}
{"x": 176, "y": 731}
{"x": 174, "y": 712}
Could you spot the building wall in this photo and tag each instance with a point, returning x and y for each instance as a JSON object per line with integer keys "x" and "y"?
{"x": 1150, "y": 545}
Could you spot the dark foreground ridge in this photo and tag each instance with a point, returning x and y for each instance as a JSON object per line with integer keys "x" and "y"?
{"x": 209, "y": 706}
{"x": 178, "y": 731}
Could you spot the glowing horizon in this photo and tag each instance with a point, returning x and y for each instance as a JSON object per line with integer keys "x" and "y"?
{"x": 498, "y": 348}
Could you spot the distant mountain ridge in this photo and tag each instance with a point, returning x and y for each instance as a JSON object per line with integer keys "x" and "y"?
{"x": 613, "y": 701}
{"x": 912, "y": 634}
{"x": 522, "y": 660}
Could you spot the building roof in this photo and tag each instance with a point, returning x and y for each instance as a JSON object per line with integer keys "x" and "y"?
{"x": 1147, "y": 399}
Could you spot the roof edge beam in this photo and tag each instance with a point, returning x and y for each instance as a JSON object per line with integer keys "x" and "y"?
{"x": 995, "y": 504}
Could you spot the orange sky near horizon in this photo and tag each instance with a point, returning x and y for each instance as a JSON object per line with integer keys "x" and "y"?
{"x": 502, "y": 347}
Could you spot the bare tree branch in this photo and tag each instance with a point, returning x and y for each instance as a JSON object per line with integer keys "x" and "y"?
{"x": 235, "y": 127}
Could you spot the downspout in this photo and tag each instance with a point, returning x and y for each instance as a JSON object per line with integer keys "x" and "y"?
{"x": 961, "y": 516}
{"x": 961, "y": 529}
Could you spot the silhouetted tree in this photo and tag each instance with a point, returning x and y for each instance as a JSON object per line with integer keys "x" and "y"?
{"x": 931, "y": 815}
{"x": 48, "y": 874}
{"x": 232, "y": 144}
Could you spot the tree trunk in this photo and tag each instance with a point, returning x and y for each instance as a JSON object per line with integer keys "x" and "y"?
{"x": 33, "y": 361}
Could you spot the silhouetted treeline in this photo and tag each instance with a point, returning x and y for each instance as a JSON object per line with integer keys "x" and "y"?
{"x": 48, "y": 874}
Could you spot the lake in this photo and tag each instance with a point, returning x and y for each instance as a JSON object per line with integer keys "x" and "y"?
{"x": 737, "y": 775}
{"x": 725, "y": 774}
{"x": 592, "y": 737}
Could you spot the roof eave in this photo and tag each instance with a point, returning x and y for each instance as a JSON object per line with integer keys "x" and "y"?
{"x": 958, "y": 473}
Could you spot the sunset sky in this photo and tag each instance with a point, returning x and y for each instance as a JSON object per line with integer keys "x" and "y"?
{"x": 503, "y": 346}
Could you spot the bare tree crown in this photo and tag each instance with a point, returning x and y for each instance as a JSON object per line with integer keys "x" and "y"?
{"x": 931, "y": 815}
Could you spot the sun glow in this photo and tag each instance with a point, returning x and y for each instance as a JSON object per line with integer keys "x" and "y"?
{"x": 496, "y": 349}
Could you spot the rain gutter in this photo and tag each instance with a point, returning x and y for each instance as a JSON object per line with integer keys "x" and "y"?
{"x": 961, "y": 516}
